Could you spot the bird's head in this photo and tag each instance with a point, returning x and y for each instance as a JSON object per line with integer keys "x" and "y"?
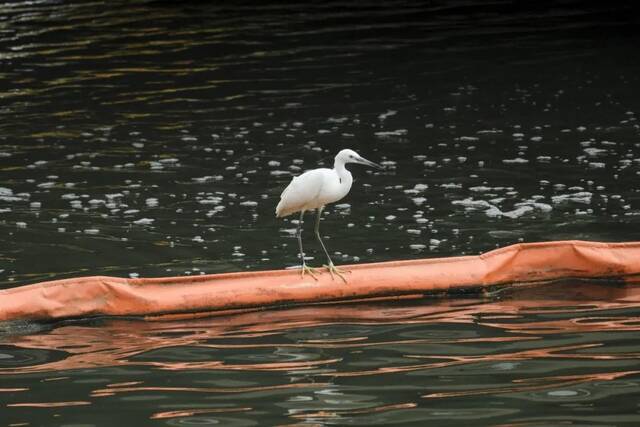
{"x": 350, "y": 156}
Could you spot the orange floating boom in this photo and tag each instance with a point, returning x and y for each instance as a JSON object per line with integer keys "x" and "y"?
{"x": 170, "y": 296}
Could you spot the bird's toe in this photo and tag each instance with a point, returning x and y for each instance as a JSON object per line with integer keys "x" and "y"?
{"x": 308, "y": 270}
{"x": 335, "y": 271}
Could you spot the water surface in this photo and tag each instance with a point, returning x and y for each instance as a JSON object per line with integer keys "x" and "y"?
{"x": 154, "y": 138}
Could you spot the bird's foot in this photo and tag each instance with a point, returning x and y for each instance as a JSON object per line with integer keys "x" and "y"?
{"x": 333, "y": 270}
{"x": 305, "y": 269}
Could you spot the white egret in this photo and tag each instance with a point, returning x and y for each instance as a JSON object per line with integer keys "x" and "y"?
{"x": 313, "y": 190}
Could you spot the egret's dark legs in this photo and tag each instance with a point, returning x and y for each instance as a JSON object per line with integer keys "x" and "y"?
{"x": 304, "y": 269}
{"x": 331, "y": 267}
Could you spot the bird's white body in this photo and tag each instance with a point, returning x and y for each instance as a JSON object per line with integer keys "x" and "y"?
{"x": 314, "y": 189}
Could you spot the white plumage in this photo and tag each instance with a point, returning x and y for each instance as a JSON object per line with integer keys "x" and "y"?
{"x": 316, "y": 188}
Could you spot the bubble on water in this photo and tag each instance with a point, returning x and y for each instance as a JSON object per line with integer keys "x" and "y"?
{"x": 544, "y": 207}
{"x": 480, "y": 189}
{"x": 517, "y": 160}
{"x": 389, "y": 113}
{"x": 91, "y": 231}
{"x": 144, "y": 221}
{"x": 21, "y": 224}
{"x": 469, "y": 139}
{"x": 414, "y": 231}
{"x": 470, "y": 203}
{"x": 208, "y": 178}
{"x": 6, "y": 195}
{"x": 249, "y": 203}
{"x": 170, "y": 160}
{"x": 418, "y": 201}
{"x": 583, "y": 197}
{"x": 450, "y": 185}
{"x": 518, "y": 212}
{"x": 391, "y": 133}
{"x": 390, "y": 217}
{"x": 210, "y": 200}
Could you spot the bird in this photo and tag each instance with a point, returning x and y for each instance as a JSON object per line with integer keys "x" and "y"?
{"x": 314, "y": 189}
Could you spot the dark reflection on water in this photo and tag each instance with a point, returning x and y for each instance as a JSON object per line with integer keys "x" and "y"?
{"x": 153, "y": 139}
{"x": 540, "y": 355}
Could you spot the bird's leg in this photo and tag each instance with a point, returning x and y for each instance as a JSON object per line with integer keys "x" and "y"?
{"x": 331, "y": 267}
{"x": 304, "y": 269}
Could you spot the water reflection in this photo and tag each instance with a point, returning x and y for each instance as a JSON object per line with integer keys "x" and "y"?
{"x": 566, "y": 342}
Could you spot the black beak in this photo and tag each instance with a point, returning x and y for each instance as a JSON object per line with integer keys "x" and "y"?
{"x": 366, "y": 162}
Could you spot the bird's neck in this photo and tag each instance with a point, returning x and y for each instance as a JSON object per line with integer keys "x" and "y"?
{"x": 343, "y": 173}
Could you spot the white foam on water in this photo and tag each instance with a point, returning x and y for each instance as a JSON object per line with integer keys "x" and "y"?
{"x": 449, "y": 185}
{"x": 207, "y": 178}
{"x": 144, "y": 221}
{"x": 418, "y": 200}
{"x": 517, "y": 160}
{"x": 583, "y": 197}
{"x": 389, "y": 113}
{"x": 391, "y": 133}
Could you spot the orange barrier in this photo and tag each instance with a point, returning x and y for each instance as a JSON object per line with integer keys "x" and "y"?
{"x": 173, "y": 297}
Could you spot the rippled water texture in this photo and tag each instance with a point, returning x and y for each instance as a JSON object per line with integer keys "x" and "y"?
{"x": 154, "y": 138}
{"x": 546, "y": 355}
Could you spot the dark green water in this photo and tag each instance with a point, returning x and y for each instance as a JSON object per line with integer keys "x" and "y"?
{"x": 154, "y": 138}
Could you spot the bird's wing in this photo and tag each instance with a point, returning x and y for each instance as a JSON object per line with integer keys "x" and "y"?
{"x": 301, "y": 191}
